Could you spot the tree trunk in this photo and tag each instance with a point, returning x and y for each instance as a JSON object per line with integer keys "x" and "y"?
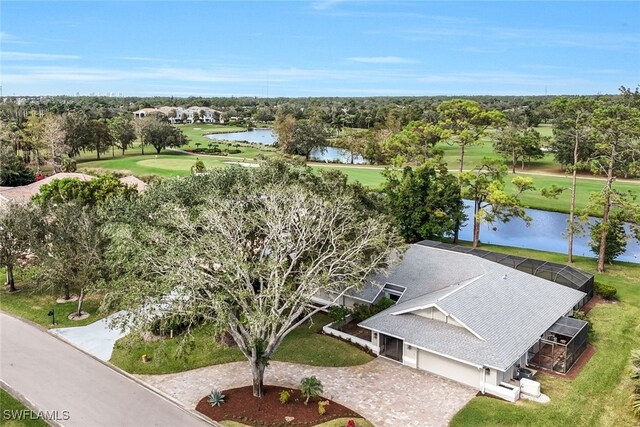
{"x": 67, "y": 294}
{"x": 98, "y": 151}
{"x": 142, "y": 146}
{"x": 456, "y": 232}
{"x": 123, "y": 150}
{"x": 476, "y": 225}
{"x": 158, "y": 149}
{"x": 257, "y": 371}
{"x": 10, "y": 280}
{"x": 113, "y": 150}
{"x": 513, "y": 162}
{"x": 572, "y": 206}
{"x": 607, "y": 209}
{"x": 80, "y": 301}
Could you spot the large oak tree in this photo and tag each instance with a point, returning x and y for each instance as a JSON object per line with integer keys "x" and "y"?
{"x": 247, "y": 252}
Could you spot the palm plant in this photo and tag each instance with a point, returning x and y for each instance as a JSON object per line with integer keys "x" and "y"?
{"x": 310, "y": 387}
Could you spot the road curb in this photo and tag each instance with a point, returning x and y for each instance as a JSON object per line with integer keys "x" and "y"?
{"x": 125, "y": 374}
{"x": 26, "y": 402}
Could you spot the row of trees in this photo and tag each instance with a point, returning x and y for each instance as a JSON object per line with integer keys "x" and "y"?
{"x": 605, "y": 139}
{"x": 243, "y": 249}
{"x": 336, "y": 112}
{"x": 53, "y": 138}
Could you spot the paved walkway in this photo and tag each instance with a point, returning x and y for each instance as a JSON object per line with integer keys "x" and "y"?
{"x": 384, "y": 392}
{"x": 54, "y": 376}
{"x": 97, "y": 338}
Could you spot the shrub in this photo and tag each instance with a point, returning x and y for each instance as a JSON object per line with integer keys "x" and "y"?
{"x": 284, "y": 396}
{"x": 198, "y": 167}
{"x": 338, "y": 314}
{"x": 635, "y": 402}
{"x": 361, "y": 312}
{"x": 322, "y": 407}
{"x": 69, "y": 165}
{"x": 605, "y": 291}
{"x": 216, "y": 398}
{"x": 310, "y": 387}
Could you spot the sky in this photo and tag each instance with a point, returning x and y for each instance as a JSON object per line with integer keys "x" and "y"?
{"x": 318, "y": 48}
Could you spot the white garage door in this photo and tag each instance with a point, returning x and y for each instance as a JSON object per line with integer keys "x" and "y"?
{"x": 448, "y": 368}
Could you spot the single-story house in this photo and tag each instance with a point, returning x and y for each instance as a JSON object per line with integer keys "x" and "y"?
{"x": 470, "y": 319}
{"x": 24, "y": 193}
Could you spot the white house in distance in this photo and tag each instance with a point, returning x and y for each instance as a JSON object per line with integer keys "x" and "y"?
{"x": 183, "y": 115}
{"x": 476, "y": 318}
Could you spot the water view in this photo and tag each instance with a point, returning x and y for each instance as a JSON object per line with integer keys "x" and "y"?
{"x": 546, "y": 232}
{"x": 267, "y": 137}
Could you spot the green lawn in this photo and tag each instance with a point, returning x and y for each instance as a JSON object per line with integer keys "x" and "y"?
{"x": 175, "y": 164}
{"x": 11, "y": 412}
{"x": 303, "y": 345}
{"x": 35, "y": 306}
{"x": 599, "y": 395}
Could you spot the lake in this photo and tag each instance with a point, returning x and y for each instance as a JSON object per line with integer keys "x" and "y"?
{"x": 266, "y": 137}
{"x": 546, "y": 232}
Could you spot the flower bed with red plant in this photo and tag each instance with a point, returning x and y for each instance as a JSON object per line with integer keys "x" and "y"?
{"x": 240, "y": 405}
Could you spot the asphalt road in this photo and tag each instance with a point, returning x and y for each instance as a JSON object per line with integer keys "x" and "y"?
{"x": 56, "y": 377}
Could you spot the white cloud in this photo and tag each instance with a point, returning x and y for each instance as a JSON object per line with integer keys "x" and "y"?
{"x": 325, "y": 4}
{"x": 381, "y": 60}
{"x": 28, "y": 56}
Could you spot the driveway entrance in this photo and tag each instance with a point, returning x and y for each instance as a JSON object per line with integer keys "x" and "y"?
{"x": 384, "y": 392}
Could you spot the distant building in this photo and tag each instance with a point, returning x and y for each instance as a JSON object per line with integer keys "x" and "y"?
{"x": 183, "y": 115}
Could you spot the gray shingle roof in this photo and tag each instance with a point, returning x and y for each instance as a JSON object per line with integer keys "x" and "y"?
{"x": 422, "y": 271}
{"x": 509, "y": 314}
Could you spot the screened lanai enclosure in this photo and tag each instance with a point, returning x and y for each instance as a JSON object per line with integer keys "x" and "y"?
{"x": 561, "y": 346}
{"x": 558, "y": 273}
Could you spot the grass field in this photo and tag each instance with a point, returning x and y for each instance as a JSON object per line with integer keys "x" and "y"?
{"x": 303, "y": 345}
{"x": 544, "y": 172}
{"x": 599, "y": 395}
{"x": 35, "y": 306}
{"x": 11, "y": 410}
{"x": 177, "y": 164}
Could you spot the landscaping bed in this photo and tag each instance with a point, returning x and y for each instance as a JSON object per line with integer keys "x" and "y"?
{"x": 353, "y": 329}
{"x": 240, "y": 405}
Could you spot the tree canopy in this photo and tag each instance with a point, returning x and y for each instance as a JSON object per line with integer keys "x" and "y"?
{"x": 425, "y": 201}
{"x": 84, "y": 193}
{"x": 248, "y": 254}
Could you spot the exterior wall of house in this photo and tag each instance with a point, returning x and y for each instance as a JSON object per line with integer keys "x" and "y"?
{"x": 449, "y": 368}
{"x": 410, "y": 356}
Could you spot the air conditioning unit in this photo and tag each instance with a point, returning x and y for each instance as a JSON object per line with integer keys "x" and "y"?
{"x": 530, "y": 387}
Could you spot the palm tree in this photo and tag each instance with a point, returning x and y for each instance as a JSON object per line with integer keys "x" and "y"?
{"x": 310, "y": 387}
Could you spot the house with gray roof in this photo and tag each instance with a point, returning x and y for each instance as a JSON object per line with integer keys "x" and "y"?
{"x": 472, "y": 320}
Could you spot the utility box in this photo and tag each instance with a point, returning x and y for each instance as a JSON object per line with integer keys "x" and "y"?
{"x": 530, "y": 387}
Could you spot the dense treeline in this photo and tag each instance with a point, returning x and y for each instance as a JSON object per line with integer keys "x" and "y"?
{"x": 336, "y": 111}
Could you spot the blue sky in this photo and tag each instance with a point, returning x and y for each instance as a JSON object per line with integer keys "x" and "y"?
{"x": 318, "y": 48}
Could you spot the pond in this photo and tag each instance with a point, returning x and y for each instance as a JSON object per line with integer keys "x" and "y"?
{"x": 267, "y": 137}
{"x": 547, "y": 232}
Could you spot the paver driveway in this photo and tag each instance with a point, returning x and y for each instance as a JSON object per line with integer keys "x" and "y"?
{"x": 384, "y": 392}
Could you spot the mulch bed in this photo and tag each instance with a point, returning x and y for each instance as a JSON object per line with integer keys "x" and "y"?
{"x": 240, "y": 405}
{"x": 352, "y": 328}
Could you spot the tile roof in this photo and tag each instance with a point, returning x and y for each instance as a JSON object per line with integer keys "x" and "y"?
{"x": 24, "y": 193}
